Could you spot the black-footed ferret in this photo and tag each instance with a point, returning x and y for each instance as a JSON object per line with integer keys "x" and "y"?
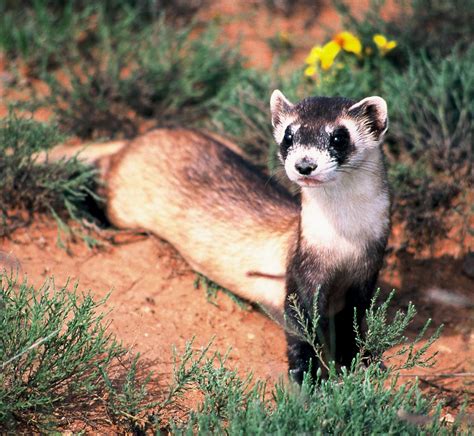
{"x": 240, "y": 229}
{"x": 330, "y": 147}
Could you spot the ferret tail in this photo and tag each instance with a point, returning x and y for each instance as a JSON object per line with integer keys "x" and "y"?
{"x": 87, "y": 153}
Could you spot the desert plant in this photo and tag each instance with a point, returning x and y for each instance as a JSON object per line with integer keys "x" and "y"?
{"x": 60, "y": 189}
{"x": 434, "y": 26}
{"x": 433, "y": 111}
{"x": 360, "y": 400}
{"x": 157, "y": 72}
{"x": 37, "y": 34}
{"x": 55, "y": 352}
{"x": 46, "y": 33}
{"x": 54, "y": 347}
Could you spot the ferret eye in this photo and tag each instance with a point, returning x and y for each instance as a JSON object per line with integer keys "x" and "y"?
{"x": 340, "y": 138}
{"x": 288, "y": 138}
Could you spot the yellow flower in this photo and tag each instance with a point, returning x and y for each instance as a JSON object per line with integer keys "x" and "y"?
{"x": 348, "y": 42}
{"x": 310, "y": 70}
{"x": 314, "y": 55}
{"x": 328, "y": 54}
{"x": 383, "y": 44}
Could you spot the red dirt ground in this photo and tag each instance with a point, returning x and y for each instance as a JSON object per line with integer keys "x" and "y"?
{"x": 155, "y": 305}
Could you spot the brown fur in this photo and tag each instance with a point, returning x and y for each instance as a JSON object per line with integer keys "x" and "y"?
{"x": 228, "y": 220}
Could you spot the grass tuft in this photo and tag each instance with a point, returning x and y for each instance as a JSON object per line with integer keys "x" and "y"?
{"x": 212, "y": 289}
{"x": 54, "y": 346}
{"x": 363, "y": 399}
{"x": 60, "y": 189}
{"x": 56, "y": 353}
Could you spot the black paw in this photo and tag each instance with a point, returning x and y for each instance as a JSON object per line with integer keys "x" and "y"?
{"x": 296, "y": 375}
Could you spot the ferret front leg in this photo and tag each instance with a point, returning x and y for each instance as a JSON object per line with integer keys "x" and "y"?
{"x": 301, "y": 357}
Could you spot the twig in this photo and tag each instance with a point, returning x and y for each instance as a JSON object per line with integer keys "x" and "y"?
{"x": 26, "y": 350}
{"x": 452, "y": 375}
{"x": 437, "y": 386}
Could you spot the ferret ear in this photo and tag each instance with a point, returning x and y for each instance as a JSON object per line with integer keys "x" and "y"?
{"x": 280, "y": 108}
{"x": 371, "y": 113}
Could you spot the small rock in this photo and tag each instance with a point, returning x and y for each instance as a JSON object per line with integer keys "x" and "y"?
{"x": 468, "y": 265}
{"x": 7, "y": 78}
{"x": 250, "y": 336}
{"x": 444, "y": 349}
{"x": 448, "y": 417}
{"x": 448, "y": 297}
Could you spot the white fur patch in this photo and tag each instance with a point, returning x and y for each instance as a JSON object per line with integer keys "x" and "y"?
{"x": 326, "y": 164}
{"x": 342, "y": 216}
{"x": 279, "y": 130}
{"x": 358, "y": 137}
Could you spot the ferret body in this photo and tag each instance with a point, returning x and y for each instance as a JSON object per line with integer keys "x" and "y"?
{"x": 236, "y": 226}
{"x": 330, "y": 147}
{"x": 227, "y": 219}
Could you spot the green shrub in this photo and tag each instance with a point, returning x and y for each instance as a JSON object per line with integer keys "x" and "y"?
{"x": 57, "y": 356}
{"x": 35, "y": 33}
{"x": 157, "y": 72}
{"x": 55, "y": 353}
{"x": 54, "y": 347}
{"x": 60, "y": 189}
{"x": 432, "y": 112}
{"x": 434, "y": 26}
{"x": 357, "y": 400}
{"x": 46, "y": 33}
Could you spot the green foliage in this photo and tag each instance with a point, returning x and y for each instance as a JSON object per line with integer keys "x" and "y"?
{"x": 125, "y": 399}
{"x": 432, "y": 125}
{"x": 55, "y": 353}
{"x": 131, "y": 406}
{"x": 156, "y": 71}
{"x": 60, "y": 189}
{"x": 47, "y": 33}
{"x": 212, "y": 289}
{"x": 34, "y": 33}
{"x": 241, "y": 113}
{"x": 356, "y": 402}
{"x": 432, "y": 111}
{"x": 381, "y": 335}
{"x": 434, "y": 26}
{"x": 359, "y": 400}
{"x": 54, "y": 346}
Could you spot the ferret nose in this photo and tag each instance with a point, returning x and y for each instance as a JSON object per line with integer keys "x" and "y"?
{"x": 306, "y": 166}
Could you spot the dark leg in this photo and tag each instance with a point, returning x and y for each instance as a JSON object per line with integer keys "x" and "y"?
{"x": 300, "y": 354}
{"x": 344, "y": 336}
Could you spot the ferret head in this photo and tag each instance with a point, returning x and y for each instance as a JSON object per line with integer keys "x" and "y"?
{"x": 323, "y": 138}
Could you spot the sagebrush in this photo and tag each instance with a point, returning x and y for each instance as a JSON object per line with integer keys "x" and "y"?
{"x": 60, "y": 189}
{"x": 56, "y": 352}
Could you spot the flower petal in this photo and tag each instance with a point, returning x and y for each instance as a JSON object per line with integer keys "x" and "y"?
{"x": 391, "y": 45}
{"x": 348, "y": 42}
{"x": 314, "y": 55}
{"x": 328, "y": 54}
{"x": 380, "y": 40}
{"x": 310, "y": 71}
